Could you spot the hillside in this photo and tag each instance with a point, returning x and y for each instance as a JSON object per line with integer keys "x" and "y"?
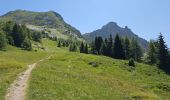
{"x": 48, "y": 19}
{"x": 69, "y": 75}
{"x": 113, "y": 29}
{"x": 73, "y": 76}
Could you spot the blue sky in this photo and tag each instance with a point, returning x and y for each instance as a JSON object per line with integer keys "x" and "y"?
{"x": 146, "y": 18}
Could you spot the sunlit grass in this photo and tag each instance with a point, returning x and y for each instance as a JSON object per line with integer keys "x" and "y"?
{"x": 70, "y": 76}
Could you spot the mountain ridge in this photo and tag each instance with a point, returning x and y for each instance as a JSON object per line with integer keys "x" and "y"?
{"x": 49, "y": 19}
{"x": 113, "y": 28}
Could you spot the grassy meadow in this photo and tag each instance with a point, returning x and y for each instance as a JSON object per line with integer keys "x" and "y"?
{"x": 75, "y": 76}
{"x": 12, "y": 62}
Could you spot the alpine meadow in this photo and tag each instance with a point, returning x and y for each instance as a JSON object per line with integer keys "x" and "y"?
{"x": 43, "y": 57}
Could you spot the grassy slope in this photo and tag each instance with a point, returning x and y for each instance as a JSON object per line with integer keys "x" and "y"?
{"x": 12, "y": 62}
{"x": 69, "y": 76}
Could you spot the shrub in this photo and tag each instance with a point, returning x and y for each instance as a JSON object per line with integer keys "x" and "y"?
{"x": 131, "y": 62}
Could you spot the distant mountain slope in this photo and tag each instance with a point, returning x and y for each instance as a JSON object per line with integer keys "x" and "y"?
{"x": 49, "y": 19}
{"x": 113, "y": 29}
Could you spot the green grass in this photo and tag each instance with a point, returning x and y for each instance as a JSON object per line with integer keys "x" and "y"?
{"x": 12, "y": 62}
{"x": 73, "y": 76}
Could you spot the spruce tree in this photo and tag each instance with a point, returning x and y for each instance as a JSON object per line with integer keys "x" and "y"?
{"x": 86, "y": 49}
{"x": 82, "y": 48}
{"x": 59, "y": 44}
{"x": 163, "y": 55}
{"x": 151, "y": 53}
{"x": 93, "y": 48}
{"x": 118, "y": 51}
{"x": 98, "y": 43}
{"x": 19, "y": 34}
{"x": 127, "y": 47}
{"x": 135, "y": 50}
{"x": 109, "y": 46}
{"x": 103, "y": 49}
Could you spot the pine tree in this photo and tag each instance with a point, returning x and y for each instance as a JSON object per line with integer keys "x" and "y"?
{"x": 127, "y": 47}
{"x": 73, "y": 47}
{"x": 93, "y": 48}
{"x": 151, "y": 53}
{"x": 82, "y": 48}
{"x": 59, "y": 44}
{"x": 135, "y": 50}
{"x": 118, "y": 51}
{"x": 19, "y": 34}
{"x": 163, "y": 55}
{"x": 110, "y": 46}
{"x": 3, "y": 41}
{"x": 86, "y": 49}
{"x": 103, "y": 49}
{"x": 98, "y": 43}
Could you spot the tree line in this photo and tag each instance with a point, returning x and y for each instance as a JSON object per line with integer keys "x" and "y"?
{"x": 118, "y": 48}
{"x": 158, "y": 54}
{"x": 17, "y": 35}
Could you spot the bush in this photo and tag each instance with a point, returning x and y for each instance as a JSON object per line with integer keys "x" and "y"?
{"x": 131, "y": 62}
{"x": 27, "y": 44}
{"x": 3, "y": 41}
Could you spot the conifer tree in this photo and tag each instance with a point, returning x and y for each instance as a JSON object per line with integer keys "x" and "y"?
{"x": 118, "y": 51}
{"x": 82, "y": 48}
{"x": 98, "y": 43}
{"x": 93, "y": 48}
{"x": 19, "y": 34}
{"x": 127, "y": 47}
{"x": 110, "y": 46}
{"x": 103, "y": 49}
{"x": 151, "y": 53}
{"x": 135, "y": 50}
{"x": 86, "y": 49}
{"x": 73, "y": 47}
{"x": 163, "y": 55}
{"x": 59, "y": 44}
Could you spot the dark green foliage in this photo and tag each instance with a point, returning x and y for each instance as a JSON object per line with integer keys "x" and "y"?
{"x": 26, "y": 44}
{"x": 118, "y": 51}
{"x": 127, "y": 47}
{"x": 3, "y": 41}
{"x": 104, "y": 49}
{"x": 151, "y": 53}
{"x": 8, "y": 28}
{"x": 135, "y": 50}
{"x": 86, "y": 49}
{"x": 36, "y": 36}
{"x": 131, "y": 62}
{"x": 93, "y": 48}
{"x": 59, "y": 44}
{"x": 19, "y": 34}
{"x": 122, "y": 48}
{"x": 98, "y": 43}
{"x": 109, "y": 45}
{"x": 73, "y": 47}
{"x": 82, "y": 47}
{"x": 163, "y": 55}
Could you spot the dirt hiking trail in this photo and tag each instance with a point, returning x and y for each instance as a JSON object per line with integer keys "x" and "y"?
{"x": 17, "y": 90}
